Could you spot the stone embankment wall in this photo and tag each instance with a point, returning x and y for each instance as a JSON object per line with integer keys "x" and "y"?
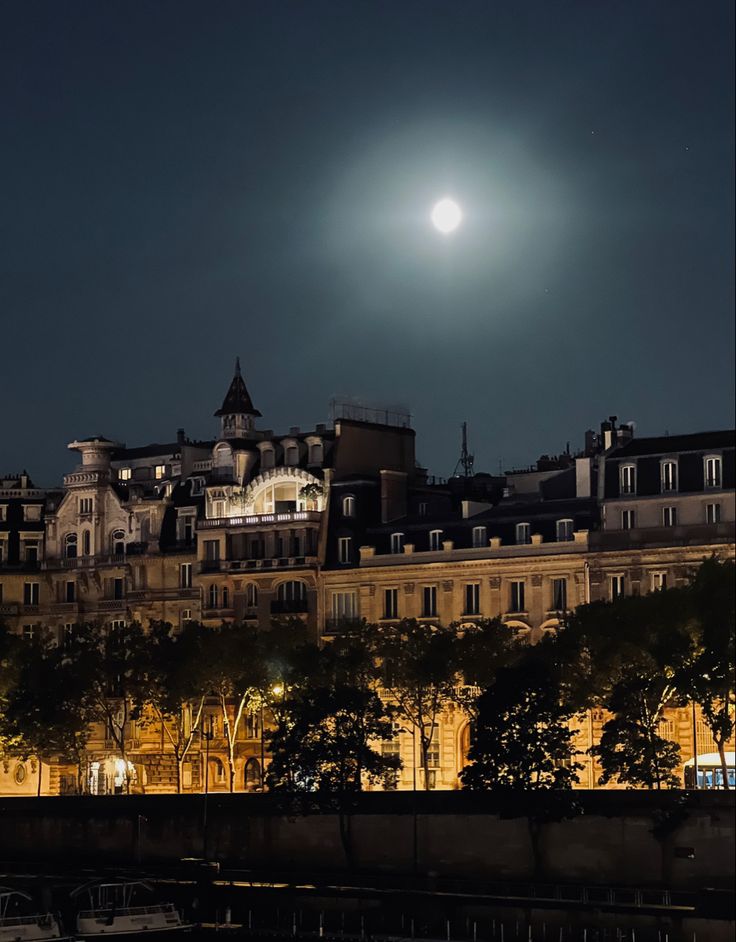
{"x": 675, "y": 839}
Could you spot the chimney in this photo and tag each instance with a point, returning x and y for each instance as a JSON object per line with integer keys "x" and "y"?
{"x": 591, "y": 442}
{"x": 583, "y": 480}
{"x": 608, "y": 432}
{"x": 393, "y": 495}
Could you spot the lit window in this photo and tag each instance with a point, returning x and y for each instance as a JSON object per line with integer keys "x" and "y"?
{"x": 124, "y": 474}
{"x": 159, "y": 471}
{"x": 344, "y": 606}
{"x": 712, "y": 513}
{"x": 435, "y": 540}
{"x": 617, "y": 587}
{"x": 390, "y": 603}
{"x": 659, "y": 581}
{"x": 516, "y": 600}
{"x": 185, "y": 576}
{"x": 429, "y": 601}
{"x": 564, "y": 531}
{"x": 669, "y": 476}
{"x": 344, "y": 549}
{"x": 397, "y": 542}
{"x": 186, "y": 615}
{"x": 628, "y": 519}
{"x": 669, "y": 516}
{"x": 348, "y": 506}
{"x": 559, "y": 595}
{"x": 628, "y": 479}
{"x": 472, "y": 599}
{"x": 479, "y": 536}
{"x": 713, "y": 471}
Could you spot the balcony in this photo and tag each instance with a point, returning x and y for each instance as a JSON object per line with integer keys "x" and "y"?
{"x": 86, "y": 562}
{"x": 64, "y": 608}
{"x": 289, "y": 607}
{"x": 9, "y": 608}
{"x": 163, "y": 595}
{"x": 343, "y": 626}
{"x": 111, "y": 605}
{"x": 280, "y": 562}
{"x": 261, "y": 520}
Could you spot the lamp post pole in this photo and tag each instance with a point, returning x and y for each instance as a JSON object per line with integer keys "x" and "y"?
{"x": 207, "y": 738}
{"x": 695, "y": 747}
{"x": 263, "y": 752}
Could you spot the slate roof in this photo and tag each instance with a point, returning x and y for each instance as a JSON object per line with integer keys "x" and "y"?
{"x": 669, "y": 444}
{"x": 237, "y": 399}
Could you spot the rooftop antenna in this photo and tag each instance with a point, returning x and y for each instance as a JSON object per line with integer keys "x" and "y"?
{"x": 466, "y": 459}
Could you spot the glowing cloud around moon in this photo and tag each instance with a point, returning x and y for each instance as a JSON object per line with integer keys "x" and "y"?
{"x": 446, "y": 215}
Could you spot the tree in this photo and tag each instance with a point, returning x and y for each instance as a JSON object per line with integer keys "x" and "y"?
{"x": 420, "y": 675}
{"x": 625, "y": 657}
{"x": 631, "y": 749}
{"x": 708, "y": 676}
{"x": 326, "y": 727}
{"x": 482, "y": 650}
{"x": 108, "y": 671}
{"x": 43, "y": 715}
{"x": 178, "y": 687}
{"x": 522, "y": 736}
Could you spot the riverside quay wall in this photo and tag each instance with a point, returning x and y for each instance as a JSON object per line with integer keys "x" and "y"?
{"x": 675, "y": 839}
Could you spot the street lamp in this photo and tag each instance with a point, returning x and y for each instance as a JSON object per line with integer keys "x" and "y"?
{"x": 207, "y": 736}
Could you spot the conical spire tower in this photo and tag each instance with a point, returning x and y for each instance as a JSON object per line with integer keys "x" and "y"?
{"x": 237, "y": 412}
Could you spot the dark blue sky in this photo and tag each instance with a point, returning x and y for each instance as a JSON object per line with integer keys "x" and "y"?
{"x": 185, "y": 181}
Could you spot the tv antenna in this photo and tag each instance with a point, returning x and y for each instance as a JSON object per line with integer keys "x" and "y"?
{"x": 465, "y": 461}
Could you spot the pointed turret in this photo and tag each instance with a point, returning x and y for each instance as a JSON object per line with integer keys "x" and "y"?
{"x": 237, "y": 411}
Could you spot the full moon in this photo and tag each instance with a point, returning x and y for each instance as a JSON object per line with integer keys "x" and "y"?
{"x": 446, "y": 215}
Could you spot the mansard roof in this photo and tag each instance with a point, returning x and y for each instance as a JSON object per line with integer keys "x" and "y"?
{"x": 237, "y": 399}
{"x": 669, "y": 444}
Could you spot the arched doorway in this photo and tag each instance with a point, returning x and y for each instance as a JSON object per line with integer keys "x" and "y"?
{"x": 252, "y": 778}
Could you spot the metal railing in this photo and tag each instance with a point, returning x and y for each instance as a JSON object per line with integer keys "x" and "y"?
{"x": 255, "y": 520}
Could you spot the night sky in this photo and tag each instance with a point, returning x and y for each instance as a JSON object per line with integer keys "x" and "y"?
{"x": 183, "y": 182}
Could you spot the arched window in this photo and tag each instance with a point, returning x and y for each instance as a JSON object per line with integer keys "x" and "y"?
{"x": 293, "y": 591}
{"x": 435, "y": 540}
{"x": 118, "y": 542}
{"x": 86, "y": 543}
{"x": 251, "y": 595}
{"x": 252, "y": 775}
{"x": 348, "y": 506}
{"x": 212, "y": 596}
{"x": 70, "y": 546}
{"x": 523, "y": 533}
{"x": 291, "y": 597}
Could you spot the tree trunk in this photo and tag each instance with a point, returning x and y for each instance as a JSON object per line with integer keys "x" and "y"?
{"x": 720, "y": 745}
{"x": 179, "y": 773}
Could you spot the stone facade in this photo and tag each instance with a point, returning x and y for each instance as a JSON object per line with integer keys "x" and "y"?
{"x": 338, "y": 524}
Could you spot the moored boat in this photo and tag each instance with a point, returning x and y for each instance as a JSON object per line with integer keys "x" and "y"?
{"x": 19, "y": 922}
{"x": 119, "y": 908}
